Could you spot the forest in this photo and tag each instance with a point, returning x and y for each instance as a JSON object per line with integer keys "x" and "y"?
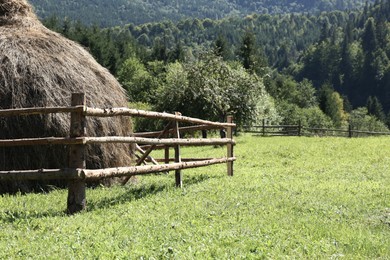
{"x": 326, "y": 70}
{"x": 120, "y": 12}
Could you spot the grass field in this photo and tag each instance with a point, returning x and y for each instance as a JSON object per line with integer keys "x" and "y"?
{"x": 300, "y": 198}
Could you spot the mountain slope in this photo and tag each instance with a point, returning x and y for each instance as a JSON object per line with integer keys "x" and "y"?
{"x": 119, "y": 12}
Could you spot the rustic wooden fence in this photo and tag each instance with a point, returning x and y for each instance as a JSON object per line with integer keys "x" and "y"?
{"x": 145, "y": 143}
{"x": 299, "y": 130}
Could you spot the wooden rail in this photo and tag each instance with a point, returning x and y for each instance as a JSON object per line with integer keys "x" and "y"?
{"x": 78, "y": 140}
{"x": 299, "y": 130}
{"x": 84, "y": 174}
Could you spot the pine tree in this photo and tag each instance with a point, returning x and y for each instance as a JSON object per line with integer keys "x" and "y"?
{"x": 374, "y": 108}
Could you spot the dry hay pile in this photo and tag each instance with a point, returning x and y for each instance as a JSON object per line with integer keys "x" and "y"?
{"x": 41, "y": 68}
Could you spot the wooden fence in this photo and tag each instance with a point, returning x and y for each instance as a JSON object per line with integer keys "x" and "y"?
{"x": 145, "y": 143}
{"x": 299, "y": 130}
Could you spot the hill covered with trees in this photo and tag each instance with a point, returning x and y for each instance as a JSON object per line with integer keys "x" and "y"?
{"x": 119, "y": 12}
{"x": 325, "y": 70}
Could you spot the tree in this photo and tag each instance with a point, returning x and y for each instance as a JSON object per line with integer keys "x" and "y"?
{"x": 369, "y": 40}
{"x": 374, "y": 108}
{"x": 211, "y": 89}
{"x": 251, "y": 57}
{"x": 136, "y": 80}
{"x": 221, "y": 47}
{"x": 331, "y": 103}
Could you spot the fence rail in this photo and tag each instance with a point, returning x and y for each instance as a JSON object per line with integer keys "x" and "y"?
{"x": 78, "y": 139}
{"x": 299, "y": 130}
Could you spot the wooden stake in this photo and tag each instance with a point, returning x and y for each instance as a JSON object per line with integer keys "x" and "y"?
{"x": 350, "y": 131}
{"x": 263, "y": 127}
{"x": 178, "y": 173}
{"x": 76, "y": 188}
{"x": 166, "y": 154}
{"x": 229, "y": 133}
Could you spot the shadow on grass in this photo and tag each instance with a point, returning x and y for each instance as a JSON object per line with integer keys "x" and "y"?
{"x": 16, "y": 216}
{"x": 131, "y": 193}
{"x": 134, "y": 193}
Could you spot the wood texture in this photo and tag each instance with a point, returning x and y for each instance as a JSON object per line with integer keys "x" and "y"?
{"x": 76, "y": 188}
{"x": 139, "y": 170}
{"x": 178, "y": 173}
{"x": 39, "y": 110}
{"x": 229, "y": 135}
{"x": 109, "y": 112}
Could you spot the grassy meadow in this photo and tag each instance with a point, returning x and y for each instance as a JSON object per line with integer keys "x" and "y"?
{"x": 291, "y": 197}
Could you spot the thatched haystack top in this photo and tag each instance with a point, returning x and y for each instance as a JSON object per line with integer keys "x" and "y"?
{"x": 15, "y": 11}
{"x": 39, "y": 67}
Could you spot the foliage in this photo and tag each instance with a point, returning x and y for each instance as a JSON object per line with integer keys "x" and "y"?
{"x": 346, "y": 50}
{"x": 120, "y": 12}
{"x": 306, "y": 198}
{"x": 136, "y": 80}
{"x": 285, "y": 88}
{"x": 360, "y": 119}
{"x": 353, "y": 57}
{"x": 141, "y": 124}
{"x": 211, "y": 89}
{"x": 374, "y": 108}
{"x": 331, "y": 103}
{"x": 312, "y": 117}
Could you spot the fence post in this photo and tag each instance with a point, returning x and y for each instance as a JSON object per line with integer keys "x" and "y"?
{"x": 299, "y": 128}
{"x": 263, "y": 127}
{"x": 166, "y": 154}
{"x": 178, "y": 173}
{"x": 229, "y": 135}
{"x": 76, "y": 188}
{"x": 350, "y": 131}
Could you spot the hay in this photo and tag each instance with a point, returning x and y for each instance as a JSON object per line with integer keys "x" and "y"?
{"x": 40, "y": 68}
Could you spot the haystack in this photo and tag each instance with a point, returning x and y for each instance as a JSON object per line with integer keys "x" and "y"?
{"x": 40, "y": 68}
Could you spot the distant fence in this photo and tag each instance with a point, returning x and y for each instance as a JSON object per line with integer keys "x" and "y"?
{"x": 299, "y": 130}
{"x": 145, "y": 143}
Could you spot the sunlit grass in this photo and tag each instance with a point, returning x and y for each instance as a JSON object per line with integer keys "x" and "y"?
{"x": 290, "y": 197}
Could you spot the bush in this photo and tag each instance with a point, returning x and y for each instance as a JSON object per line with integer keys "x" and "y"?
{"x": 361, "y": 120}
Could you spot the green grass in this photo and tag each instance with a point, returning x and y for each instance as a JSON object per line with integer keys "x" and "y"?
{"x": 310, "y": 198}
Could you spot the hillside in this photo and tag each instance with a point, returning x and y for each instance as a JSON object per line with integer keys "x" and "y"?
{"x": 120, "y": 12}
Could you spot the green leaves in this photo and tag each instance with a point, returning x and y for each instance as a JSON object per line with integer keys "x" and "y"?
{"x": 210, "y": 88}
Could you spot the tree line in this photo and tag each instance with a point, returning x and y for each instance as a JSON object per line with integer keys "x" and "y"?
{"x": 324, "y": 70}
{"x": 109, "y": 13}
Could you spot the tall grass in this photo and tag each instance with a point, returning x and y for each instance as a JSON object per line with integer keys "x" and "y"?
{"x": 290, "y": 198}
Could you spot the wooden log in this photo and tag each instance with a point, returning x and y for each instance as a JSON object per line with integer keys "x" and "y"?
{"x": 76, "y": 188}
{"x": 182, "y": 130}
{"x": 150, "y": 149}
{"x": 370, "y": 133}
{"x": 109, "y": 112}
{"x": 42, "y": 174}
{"x": 157, "y": 147}
{"x": 325, "y": 129}
{"x": 39, "y": 110}
{"x": 92, "y": 175}
{"x": 143, "y": 158}
{"x": 273, "y": 126}
{"x": 155, "y": 141}
{"x": 178, "y": 173}
{"x": 229, "y": 134}
{"x": 182, "y": 159}
{"x": 42, "y": 141}
{"x": 139, "y": 170}
{"x": 110, "y": 139}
